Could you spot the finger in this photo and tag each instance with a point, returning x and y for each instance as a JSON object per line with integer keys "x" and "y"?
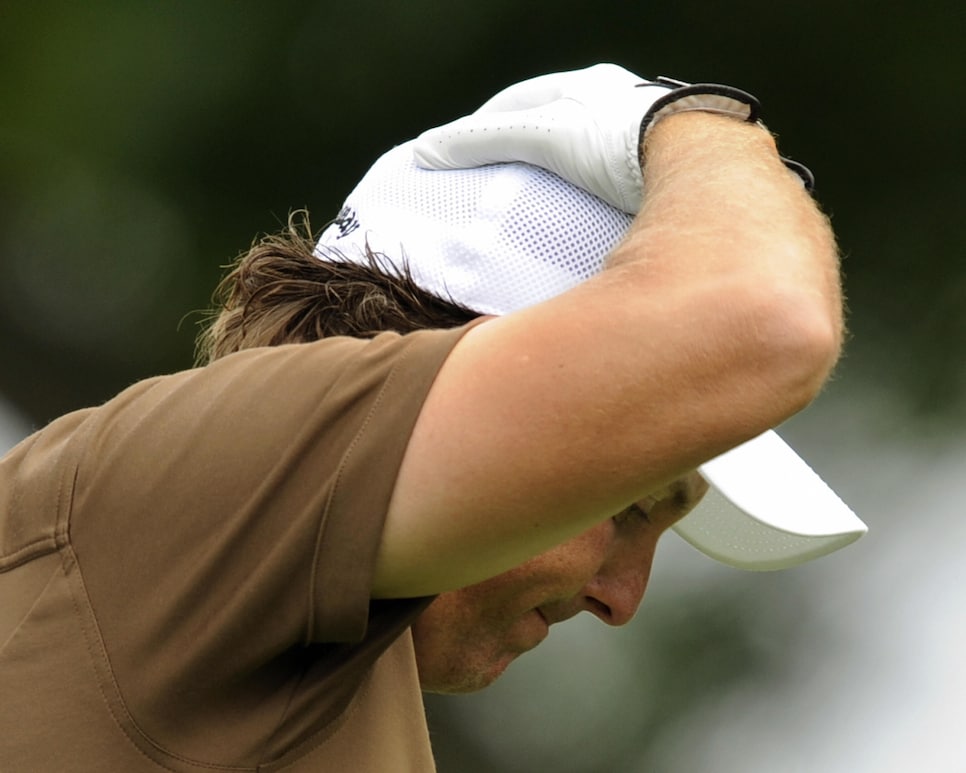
{"x": 544, "y": 89}
{"x": 530, "y": 93}
{"x": 484, "y": 138}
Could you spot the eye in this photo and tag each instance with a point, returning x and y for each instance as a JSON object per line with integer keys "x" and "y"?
{"x": 633, "y": 514}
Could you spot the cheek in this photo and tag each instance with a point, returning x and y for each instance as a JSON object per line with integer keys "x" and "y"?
{"x": 472, "y": 614}
{"x": 558, "y": 574}
{"x": 579, "y": 559}
{"x": 433, "y": 634}
{"x": 456, "y": 618}
{"x": 443, "y": 617}
{"x": 459, "y": 645}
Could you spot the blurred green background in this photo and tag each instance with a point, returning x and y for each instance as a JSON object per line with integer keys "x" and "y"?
{"x": 144, "y": 145}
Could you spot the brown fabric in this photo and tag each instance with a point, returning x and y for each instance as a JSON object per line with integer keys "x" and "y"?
{"x": 184, "y": 571}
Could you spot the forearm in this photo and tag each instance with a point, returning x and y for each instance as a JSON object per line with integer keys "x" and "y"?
{"x": 725, "y": 220}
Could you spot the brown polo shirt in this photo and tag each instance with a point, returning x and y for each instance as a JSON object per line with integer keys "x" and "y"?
{"x": 185, "y": 570}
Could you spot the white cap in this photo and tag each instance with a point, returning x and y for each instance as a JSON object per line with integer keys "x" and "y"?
{"x": 502, "y": 237}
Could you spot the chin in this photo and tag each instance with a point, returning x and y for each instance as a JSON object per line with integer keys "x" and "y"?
{"x": 463, "y": 680}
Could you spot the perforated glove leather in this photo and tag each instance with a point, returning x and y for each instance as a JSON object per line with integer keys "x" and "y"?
{"x": 587, "y": 126}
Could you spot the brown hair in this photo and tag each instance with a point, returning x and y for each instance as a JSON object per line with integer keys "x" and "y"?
{"x": 283, "y": 291}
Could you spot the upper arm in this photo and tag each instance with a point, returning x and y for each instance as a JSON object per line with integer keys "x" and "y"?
{"x": 542, "y": 423}
{"x": 718, "y": 319}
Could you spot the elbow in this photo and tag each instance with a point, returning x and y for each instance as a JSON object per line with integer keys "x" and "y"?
{"x": 801, "y": 335}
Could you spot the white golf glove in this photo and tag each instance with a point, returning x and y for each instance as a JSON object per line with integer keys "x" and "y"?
{"x": 587, "y": 126}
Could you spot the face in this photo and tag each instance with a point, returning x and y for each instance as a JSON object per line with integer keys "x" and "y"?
{"x": 466, "y": 638}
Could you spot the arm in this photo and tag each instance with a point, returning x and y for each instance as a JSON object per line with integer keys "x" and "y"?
{"x": 719, "y": 317}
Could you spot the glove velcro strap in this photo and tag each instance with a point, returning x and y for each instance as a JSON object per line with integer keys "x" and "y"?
{"x": 710, "y": 98}
{"x": 804, "y": 173}
{"x": 700, "y": 97}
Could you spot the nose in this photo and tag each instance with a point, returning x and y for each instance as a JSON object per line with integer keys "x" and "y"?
{"x": 615, "y": 592}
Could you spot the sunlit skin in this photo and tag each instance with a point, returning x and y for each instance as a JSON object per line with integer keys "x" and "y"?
{"x": 467, "y": 638}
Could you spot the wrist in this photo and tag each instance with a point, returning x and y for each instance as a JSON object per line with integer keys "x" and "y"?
{"x": 712, "y": 99}
{"x": 702, "y": 142}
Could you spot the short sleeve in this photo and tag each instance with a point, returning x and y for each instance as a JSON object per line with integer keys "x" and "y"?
{"x": 224, "y": 519}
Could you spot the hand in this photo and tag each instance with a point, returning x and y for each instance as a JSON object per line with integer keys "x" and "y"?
{"x": 587, "y": 126}
{"x": 583, "y": 125}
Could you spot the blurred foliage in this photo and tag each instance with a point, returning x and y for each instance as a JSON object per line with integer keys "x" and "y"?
{"x": 144, "y": 145}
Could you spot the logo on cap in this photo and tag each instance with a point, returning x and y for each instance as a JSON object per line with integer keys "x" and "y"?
{"x": 346, "y": 222}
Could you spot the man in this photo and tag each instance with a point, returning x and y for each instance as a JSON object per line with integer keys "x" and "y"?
{"x": 255, "y": 565}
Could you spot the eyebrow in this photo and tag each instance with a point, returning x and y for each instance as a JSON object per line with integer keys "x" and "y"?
{"x": 683, "y": 497}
